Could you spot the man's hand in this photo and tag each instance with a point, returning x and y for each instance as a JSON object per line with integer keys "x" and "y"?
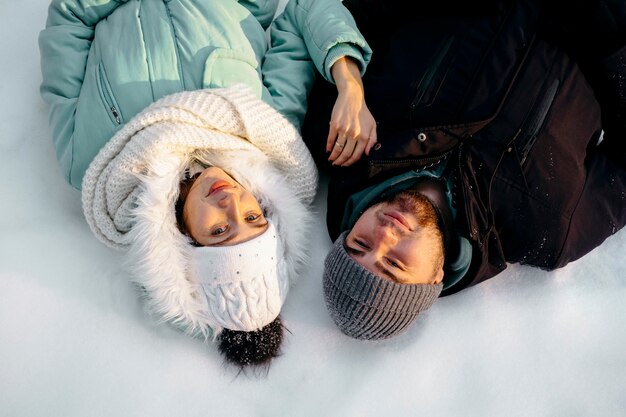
{"x": 352, "y": 127}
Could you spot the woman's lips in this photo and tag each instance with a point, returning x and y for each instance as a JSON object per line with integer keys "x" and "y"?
{"x": 219, "y": 185}
{"x": 398, "y": 218}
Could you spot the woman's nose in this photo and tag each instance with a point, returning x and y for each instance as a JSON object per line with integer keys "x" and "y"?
{"x": 227, "y": 200}
{"x": 230, "y": 206}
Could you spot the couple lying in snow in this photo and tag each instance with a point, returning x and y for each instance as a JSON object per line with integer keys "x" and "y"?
{"x": 180, "y": 122}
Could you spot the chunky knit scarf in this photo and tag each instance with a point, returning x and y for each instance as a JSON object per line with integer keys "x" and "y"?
{"x": 218, "y": 120}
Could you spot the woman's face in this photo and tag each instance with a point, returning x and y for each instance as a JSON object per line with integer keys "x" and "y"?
{"x": 218, "y": 211}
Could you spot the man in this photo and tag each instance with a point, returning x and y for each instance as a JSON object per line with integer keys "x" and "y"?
{"x": 487, "y": 152}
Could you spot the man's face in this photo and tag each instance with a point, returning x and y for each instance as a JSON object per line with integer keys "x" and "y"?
{"x": 399, "y": 240}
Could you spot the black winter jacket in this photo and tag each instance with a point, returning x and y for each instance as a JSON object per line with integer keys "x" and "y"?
{"x": 499, "y": 94}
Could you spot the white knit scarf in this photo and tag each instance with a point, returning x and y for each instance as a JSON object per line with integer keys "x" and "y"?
{"x": 218, "y": 120}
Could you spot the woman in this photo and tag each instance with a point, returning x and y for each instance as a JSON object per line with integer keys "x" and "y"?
{"x": 245, "y": 176}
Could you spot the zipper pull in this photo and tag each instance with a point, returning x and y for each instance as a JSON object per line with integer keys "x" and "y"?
{"x": 116, "y": 115}
{"x": 521, "y": 162}
{"x": 527, "y": 149}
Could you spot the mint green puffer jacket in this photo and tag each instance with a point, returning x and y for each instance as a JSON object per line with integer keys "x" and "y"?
{"x": 103, "y": 61}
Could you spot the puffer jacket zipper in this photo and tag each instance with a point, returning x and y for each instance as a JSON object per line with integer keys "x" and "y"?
{"x": 107, "y": 96}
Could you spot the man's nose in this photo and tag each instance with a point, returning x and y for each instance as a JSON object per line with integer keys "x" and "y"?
{"x": 385, "y": 234}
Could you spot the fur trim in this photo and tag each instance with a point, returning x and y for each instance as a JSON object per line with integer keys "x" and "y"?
{"x": 159, "y": 253}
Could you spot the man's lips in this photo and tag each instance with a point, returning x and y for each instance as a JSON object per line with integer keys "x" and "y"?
{"x": 219, "y": 185}
{"x": 397, "y": 218}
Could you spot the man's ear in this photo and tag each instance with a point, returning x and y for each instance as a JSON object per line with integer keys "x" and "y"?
{"x": 438, "y": 276}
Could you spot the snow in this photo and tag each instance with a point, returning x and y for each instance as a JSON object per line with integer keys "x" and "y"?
{"x": 75, "y": 340}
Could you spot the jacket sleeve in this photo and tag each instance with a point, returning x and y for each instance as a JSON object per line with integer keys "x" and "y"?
{"x": 309, "y": 35}
{"x": 64, "y": 46}
{"x": 603, "y": 61}
{"x": 594, "y": 34}
{"x": 262, "y": 10}
{"x": 608, "y": 80}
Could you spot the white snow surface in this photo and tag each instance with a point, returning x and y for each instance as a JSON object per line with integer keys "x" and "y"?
{"x": 75, "y": 340}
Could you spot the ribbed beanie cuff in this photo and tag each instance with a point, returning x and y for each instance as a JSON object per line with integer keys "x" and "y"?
{"x": 365, "y": 306}
{"x": 241, "y": 283}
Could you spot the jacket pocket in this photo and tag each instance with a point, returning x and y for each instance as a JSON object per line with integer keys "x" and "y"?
{"x": 417, "y": 148}
{"x": 430, "y": 74}
{"x": 226, "y": 67}
{"x": 106, "y": 94}
{"x": 534, "y": 122}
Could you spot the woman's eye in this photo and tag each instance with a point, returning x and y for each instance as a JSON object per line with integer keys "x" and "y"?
{"x": 219, "y": 231}
{"x": 252, "y": 217}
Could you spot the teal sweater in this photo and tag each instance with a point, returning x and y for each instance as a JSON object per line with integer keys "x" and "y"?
{"x": 103, "y": 61}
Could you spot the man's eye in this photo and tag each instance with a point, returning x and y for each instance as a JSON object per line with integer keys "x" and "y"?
{"x": 252, "y": 217}
{"x": 361, "y": 243}
{"x": 219, "y": 231}
{"x": 353, "y": 251}
{"x": 393, "y": 263}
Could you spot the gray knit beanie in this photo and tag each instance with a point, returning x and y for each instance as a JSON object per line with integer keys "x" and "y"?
{"x": 365, "y": 306}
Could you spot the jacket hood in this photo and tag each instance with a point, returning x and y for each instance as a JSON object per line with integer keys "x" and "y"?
{"x": 161, "y": 256}
{"x": 130, "y": 190}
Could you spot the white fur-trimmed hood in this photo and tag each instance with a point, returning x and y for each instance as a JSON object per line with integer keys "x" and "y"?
{"x": 130, "y": 189}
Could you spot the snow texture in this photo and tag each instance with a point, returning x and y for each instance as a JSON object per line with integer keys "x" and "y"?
{"x": 75, "y": 340}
